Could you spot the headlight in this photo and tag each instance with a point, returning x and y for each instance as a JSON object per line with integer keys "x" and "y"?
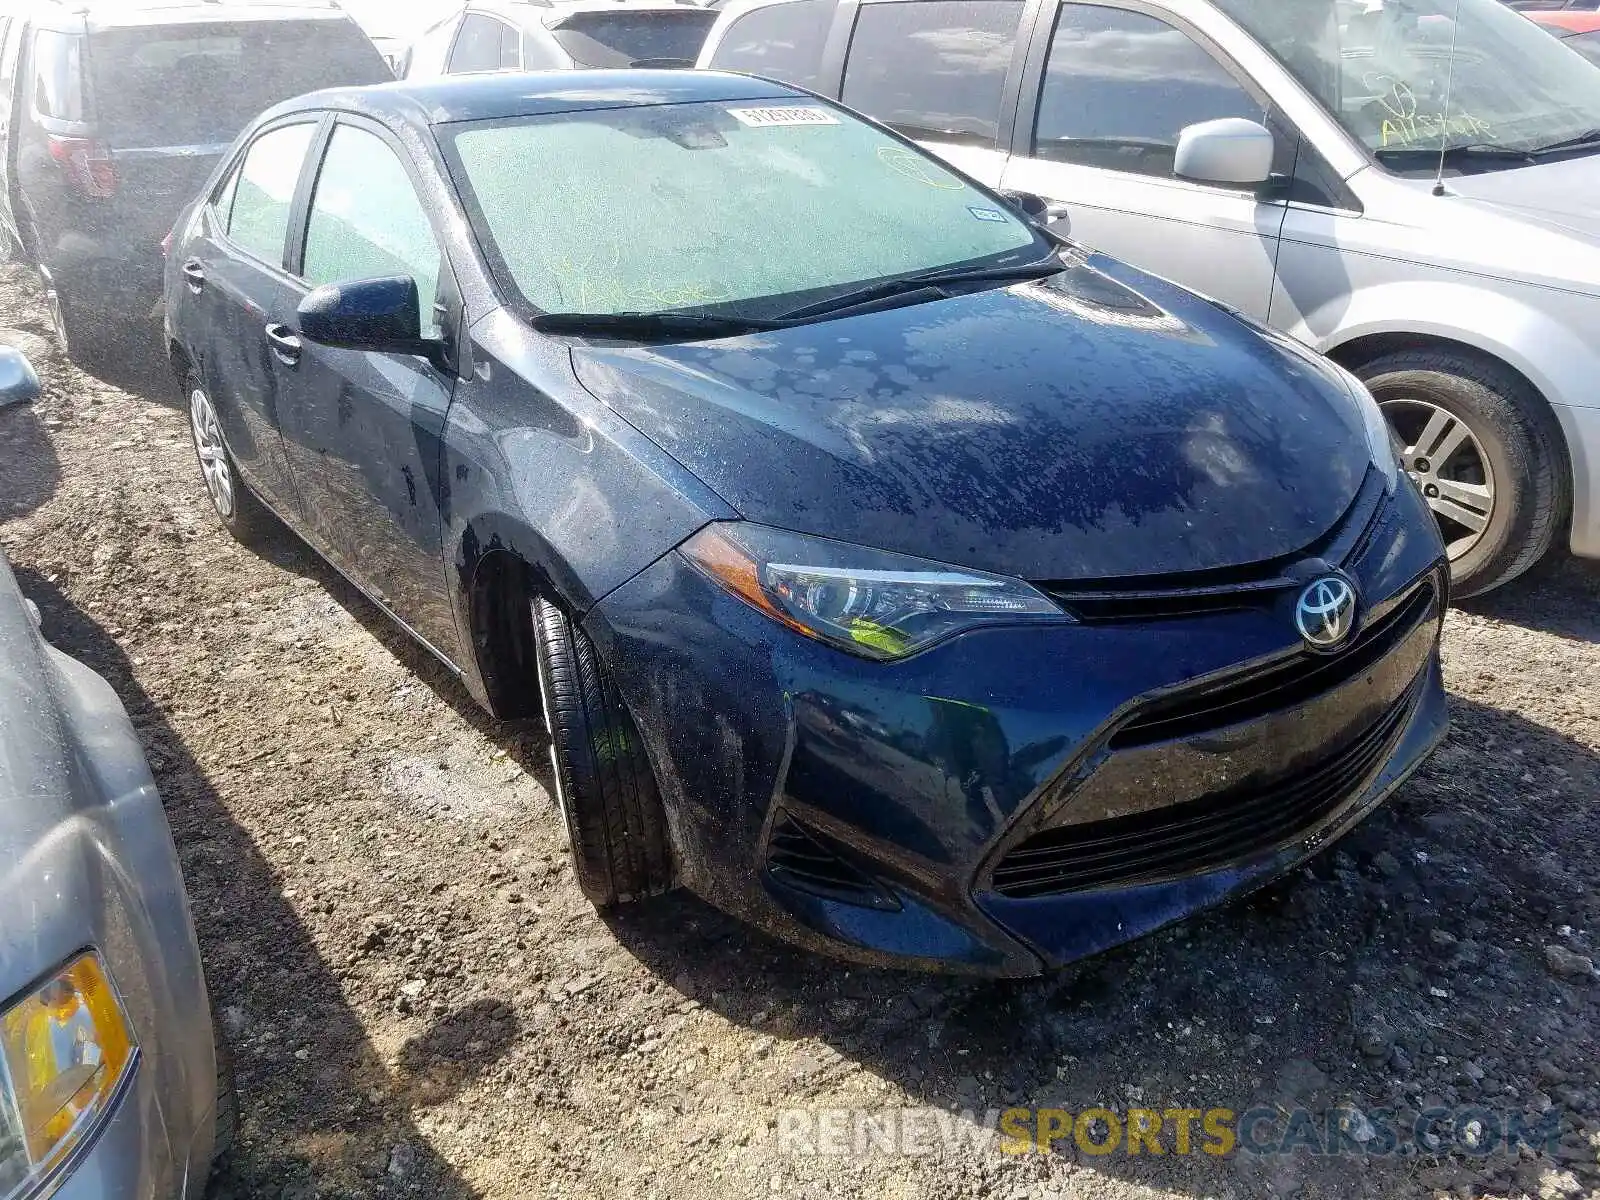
{"x": 869, "y": 602}
{"x": 63, "y": 1050}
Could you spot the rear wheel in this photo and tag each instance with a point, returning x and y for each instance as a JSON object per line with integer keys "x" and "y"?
{"x": 1485, "y": 453}
{"x": 235, "y": 505}
{"x": 604, "y": 784}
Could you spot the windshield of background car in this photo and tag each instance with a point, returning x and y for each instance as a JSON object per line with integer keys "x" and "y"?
{"x": 722, "y": 204}
{"x": 625, "y": 39}
{"x": 1383, "y": 68}
{"x": 146, "y": 79}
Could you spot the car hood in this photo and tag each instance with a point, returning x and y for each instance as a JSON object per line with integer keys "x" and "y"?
{"x": 1102, "y": 423}
{"x": 1558, "y": 196}
{"x": 41, "y": 870}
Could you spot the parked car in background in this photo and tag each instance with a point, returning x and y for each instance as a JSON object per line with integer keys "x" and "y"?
{"x": 939, "y": 594}
{"x": 517, "y": 35}
{"x": 110, "y": 1081}
{"x": 112, "y": 113}
{"x": 1579, "y": 30}
{"x": 1282, "y": 155}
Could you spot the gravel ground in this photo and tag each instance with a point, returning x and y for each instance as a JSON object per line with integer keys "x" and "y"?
{"x": 421, "y": 1003}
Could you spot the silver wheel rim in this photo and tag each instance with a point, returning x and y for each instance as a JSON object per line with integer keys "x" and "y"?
{"x": 1446, "y": 460}
{"x": 213, "y": 458}
{"x": 58, "y": 318}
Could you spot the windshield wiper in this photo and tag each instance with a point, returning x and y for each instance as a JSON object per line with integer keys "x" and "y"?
{"x": 927, "y": 281}
{"x": 1475, "y": 151}
{"x": 649, "y": 325}
{"x": 1589, "y": 137}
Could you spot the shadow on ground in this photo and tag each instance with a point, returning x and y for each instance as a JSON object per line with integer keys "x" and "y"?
{"x": 1561, "y": 596}
{"x": 313, "y": 1126}
{"x": 29, "y": 471}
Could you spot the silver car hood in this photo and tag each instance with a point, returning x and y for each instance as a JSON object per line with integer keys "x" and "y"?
{"x": 45, "y": 878}
{"x": 1558, "y": 194}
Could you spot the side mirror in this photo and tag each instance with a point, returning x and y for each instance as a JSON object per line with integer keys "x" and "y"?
{"x": 18, "y": 382}
{"x": 377, "y": 315}
{"x": 1229, "y": 151}
{"x": 1029, "y": 205}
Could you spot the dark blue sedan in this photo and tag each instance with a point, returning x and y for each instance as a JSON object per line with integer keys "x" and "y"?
{"x": 913, "y": 583}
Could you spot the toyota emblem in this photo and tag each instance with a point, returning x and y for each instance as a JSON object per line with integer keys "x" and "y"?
{"x": 1326, "y": 612}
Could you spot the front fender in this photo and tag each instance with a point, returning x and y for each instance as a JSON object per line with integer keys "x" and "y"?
{"x": 1537, "y": 331}
{"x": 538, "y": 468}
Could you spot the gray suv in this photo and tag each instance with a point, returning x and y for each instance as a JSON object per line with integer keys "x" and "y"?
{"x": 1407, "y": 185}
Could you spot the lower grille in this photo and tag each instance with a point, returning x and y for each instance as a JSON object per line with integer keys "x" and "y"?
{"x": 1202, "y": 834}
{"x": 802, "y": 860}
{"x": 1282, "y": 685}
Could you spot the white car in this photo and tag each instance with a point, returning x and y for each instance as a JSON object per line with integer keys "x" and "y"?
{"x": 1409, "y": 187}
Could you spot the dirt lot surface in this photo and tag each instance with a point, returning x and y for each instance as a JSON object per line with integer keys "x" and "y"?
{"x": 423, "y": 1005}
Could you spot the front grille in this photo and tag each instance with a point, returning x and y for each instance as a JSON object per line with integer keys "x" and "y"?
{"x": 802, "y": 860}
{"x": 1278, "y": 686}
{"x": 1203, "y": 593}
{"x": 1203, "y": 834}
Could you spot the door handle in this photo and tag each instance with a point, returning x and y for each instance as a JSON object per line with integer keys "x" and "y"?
{"x": 284, "y": 344}
{"x": 194, "y": 274}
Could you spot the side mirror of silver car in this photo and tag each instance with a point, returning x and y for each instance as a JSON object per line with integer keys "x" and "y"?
{"x": 18, "y": 383}
{"x": 1229, "y": 151}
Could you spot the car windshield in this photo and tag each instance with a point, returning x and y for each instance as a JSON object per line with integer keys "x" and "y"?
{"x": 626, "y": 39}
{"x": 746, "y": 206}
{"x": 1384, "y": 69}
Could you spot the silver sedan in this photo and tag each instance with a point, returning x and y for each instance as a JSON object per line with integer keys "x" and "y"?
{"x": 109, "y": 1080}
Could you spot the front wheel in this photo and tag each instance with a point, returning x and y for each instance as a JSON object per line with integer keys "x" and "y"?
{"x": 603, "y": 781}
{"x": 1485, "y": 453}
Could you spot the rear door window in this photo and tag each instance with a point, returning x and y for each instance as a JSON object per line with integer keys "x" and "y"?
{"x": 58, "y": 75}
{"x": 780, "y": 41}
{"x": 259, "y": 219}
{"x": 478, "y": 45}
{"x": 144, "y": 77}
{"x": 933, "y": 69}
{"x": 664, "y": 37}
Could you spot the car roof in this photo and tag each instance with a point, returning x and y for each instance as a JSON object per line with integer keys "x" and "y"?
{"x": 500, "y": 95}
{"x": 533, "y": 12}
{"x": 1569, "y": 22}
{"x": 133, "y": 14}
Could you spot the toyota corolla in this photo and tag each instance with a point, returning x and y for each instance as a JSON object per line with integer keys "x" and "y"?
{"x": 910, "y": 581}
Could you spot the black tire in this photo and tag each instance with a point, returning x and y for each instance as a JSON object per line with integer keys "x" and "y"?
{"x": 227, "y": 1111}
{"x": 604, "y": 784}
{"x": 1520, "y": 441}
{"x": 247, "y": 519}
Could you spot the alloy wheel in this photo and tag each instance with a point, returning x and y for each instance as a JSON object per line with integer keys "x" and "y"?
{"x": 213, "y": 456}
{"x": 1447, "y": 461}
{"x": 58, "y": 319}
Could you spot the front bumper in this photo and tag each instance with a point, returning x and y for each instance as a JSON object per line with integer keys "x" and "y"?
{"x": 874, "y": 811}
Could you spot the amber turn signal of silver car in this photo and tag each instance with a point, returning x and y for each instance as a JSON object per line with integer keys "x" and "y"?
{"x": 64, "y": 1049}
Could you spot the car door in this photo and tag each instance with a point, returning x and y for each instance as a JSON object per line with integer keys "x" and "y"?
{"x": 936, "y": 71}
{"x": 235, "y": 285}
{"x": 365, "y": 428}
{"x": 1117, "y": 84}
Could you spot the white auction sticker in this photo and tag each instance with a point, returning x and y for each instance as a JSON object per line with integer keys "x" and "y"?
{"x": 762, "y": 117}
